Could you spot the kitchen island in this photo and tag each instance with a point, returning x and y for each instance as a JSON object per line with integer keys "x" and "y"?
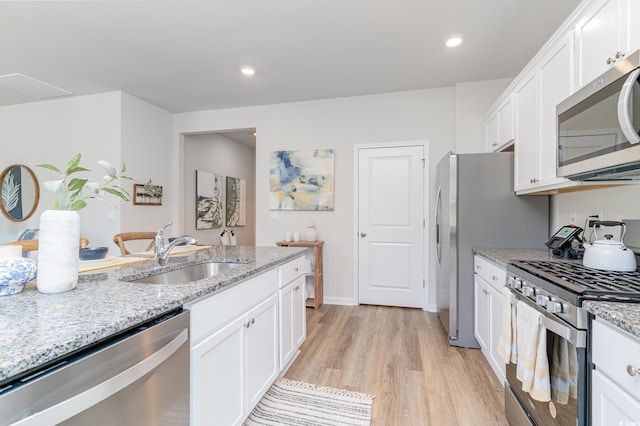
{"x": 38, "y": 328}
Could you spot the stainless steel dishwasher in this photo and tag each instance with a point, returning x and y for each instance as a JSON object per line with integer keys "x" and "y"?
{"x": 139, "y": 377}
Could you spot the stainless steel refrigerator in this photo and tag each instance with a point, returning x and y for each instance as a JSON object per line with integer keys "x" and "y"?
{"x": 476, "y": 206}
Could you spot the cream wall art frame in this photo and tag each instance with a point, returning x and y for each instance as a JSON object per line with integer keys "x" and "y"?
{"x": 236, "y": 199}
{"x": 209, "y": 187}
{"x": 302, "y": 180}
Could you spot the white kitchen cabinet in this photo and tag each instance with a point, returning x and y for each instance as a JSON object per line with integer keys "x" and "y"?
{"x": 292, "y": 313}
{"x": 489, "y": 279}
{"x": 601, "y": 38}
{"x": 633, "y": 29}
{"x": 548, "y": 82}
{"x": 527, "y": 149}
{"x": 499, "y": 126}
{"x": 614, "y": 391}
{"x": 234, "y": 350}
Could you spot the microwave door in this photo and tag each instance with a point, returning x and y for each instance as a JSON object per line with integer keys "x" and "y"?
{"x": 625, "y": 108}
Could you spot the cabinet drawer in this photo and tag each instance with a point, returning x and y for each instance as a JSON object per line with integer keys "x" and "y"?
{"x": 482, "y": 267}
{"x": 497, "y": 276}
{"x": 290, "y": 271}
{"x": 218, "y": 309}
{"x": 613, "y": 350}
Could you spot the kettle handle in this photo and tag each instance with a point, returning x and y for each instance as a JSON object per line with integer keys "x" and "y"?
{"x": 611, "y": 223}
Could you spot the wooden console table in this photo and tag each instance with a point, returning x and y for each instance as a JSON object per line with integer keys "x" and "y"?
{"x": 316, "y": 301}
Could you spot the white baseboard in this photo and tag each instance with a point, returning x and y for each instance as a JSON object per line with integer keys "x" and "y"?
{"x": 339, "y": 301}
{"x": 431, "y": 308}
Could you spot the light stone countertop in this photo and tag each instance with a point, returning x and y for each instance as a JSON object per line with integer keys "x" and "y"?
{"x": 39, "y": 328}
{"x": 624, "y": 315}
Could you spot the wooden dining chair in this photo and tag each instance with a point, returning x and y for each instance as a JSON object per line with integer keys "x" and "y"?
{"x": 119, "y": 239}
{"x": 32, "y": 245}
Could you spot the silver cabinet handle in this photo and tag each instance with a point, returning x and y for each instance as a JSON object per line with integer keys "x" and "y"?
{"x": 82, "y": 401}
{"x": 632, "y": 371}
{"x": 493, "y": 277}
{"x": 624, "y": 113}
{"x": 295, "y": 269}
{"x": 609, "y": 61}
{"x": 363, "y": 234}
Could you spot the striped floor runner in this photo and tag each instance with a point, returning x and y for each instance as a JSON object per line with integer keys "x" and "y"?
{"x": 288, "y": 402}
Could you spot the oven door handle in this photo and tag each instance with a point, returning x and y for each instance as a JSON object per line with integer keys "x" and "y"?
{"x": 577, "y": 338}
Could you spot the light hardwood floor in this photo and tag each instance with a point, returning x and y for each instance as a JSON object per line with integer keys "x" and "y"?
{"x": 403, "y": 358}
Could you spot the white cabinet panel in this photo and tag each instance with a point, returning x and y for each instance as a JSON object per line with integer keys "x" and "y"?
{"x": 633, "y": 29}
{"x": 491, "y": 133}
{"x": 261, "y": 349}
{"x": 600, "y": 38}
{"x": 481, "y": 325}
{"x": 495, "y": 321}
{"x": 217, "y": 389}
{"x": 506, "y": 131}
{"x": 527, "y": 152}
{"x": 611, "y": 405}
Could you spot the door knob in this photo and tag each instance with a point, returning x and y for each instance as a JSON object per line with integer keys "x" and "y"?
{"x": 363, "y": 234}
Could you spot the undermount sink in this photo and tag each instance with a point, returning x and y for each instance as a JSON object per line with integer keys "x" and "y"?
{"x": 188, "y": 274}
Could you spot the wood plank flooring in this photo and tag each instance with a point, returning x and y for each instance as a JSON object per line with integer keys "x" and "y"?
{"x": 402, "y": 357}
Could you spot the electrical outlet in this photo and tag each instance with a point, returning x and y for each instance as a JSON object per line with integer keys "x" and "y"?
{"x": 600, "y": 215}
{"x": 572, "y": 219}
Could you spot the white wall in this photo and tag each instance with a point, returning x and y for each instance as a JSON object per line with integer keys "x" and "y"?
{"x": 616, "y": 203}
{"x": 339, "y": 124}
{"x": 216, "y": 153}
{"x": 109, "y": 126}
{"x": 146, "y": 149}
{"x": 473, "y": 100}
{"x": 53, "y": 132}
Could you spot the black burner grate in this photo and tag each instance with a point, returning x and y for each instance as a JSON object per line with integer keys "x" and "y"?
{"x": 586, "y": 282}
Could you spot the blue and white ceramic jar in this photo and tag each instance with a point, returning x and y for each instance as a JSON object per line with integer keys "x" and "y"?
{"x": 15, "y": 274}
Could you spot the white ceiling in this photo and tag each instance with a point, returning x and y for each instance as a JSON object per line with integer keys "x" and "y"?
{"x": 185, "y": 55}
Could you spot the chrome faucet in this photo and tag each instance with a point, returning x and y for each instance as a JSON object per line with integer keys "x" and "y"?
{"x": 160, "y": 251}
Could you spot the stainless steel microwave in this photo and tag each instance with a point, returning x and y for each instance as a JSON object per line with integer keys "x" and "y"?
{"x": 598, "y": 126}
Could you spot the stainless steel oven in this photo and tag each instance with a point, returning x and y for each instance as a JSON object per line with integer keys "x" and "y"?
{"x": 556, "y": 290}
{"x": 570, "y": 408}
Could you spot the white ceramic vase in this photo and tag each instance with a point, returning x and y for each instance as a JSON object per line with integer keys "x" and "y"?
{"x": 311, "y": 234}
{"x": 58, "y": 254}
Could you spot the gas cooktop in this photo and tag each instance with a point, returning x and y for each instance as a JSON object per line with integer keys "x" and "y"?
{"x": 586, "y": 283}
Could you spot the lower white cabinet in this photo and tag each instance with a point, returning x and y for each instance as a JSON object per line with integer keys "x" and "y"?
{"x": 234, "y": 350}
{"x": 489, "y": 279}
{"x": 615, "y": 381}
{"x": 292, "y": 320}
{"x": 292, "y": 311}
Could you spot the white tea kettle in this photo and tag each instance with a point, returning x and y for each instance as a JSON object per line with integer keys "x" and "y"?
{"x": 609, "y": 254}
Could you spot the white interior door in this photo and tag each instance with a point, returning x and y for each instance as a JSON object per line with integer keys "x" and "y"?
{"x": 391, "y": 226}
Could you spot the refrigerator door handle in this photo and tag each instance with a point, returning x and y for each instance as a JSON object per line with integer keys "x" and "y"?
{"x": 438, "y": 212}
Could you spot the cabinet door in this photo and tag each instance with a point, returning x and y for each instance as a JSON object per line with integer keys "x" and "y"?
{"x": 610, "y": 404}
{"x": 555, "y": 85}
{"x": 527, "y": 153}
{"x": 599, "y": 37}
{"x": 286, "y": 313}
{"x": 491, "y": 133}
{"x": 299, "y": 313}
{"x": 495, "y": 324}
{"x": 481, "y": 302}
{"x": 633, "y": 29}
{"x": 261, "y": 350}
{"x": 217, "y": 391}
{"x": 506, "y": 131}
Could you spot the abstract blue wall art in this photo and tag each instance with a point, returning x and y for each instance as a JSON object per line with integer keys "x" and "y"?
{"x": 302, "y": 180}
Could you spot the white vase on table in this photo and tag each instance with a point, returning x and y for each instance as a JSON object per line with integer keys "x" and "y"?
{"x": 58, "y": 254}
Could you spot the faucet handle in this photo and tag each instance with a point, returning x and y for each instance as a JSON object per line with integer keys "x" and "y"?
{"x": 161, "y": 231}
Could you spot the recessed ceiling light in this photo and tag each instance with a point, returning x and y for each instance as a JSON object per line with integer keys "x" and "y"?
{"x": 247, "y": 70}
{"x": 454, "y": 41}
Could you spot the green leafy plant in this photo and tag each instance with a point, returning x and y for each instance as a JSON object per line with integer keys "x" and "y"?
{"x": 152, "y": 190}
{"x": 72, "y": 192}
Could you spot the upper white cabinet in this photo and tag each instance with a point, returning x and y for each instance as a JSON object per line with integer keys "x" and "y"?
{"x": 538, "y": 92}
{"x": 527, "y": 152}
{"x": 500, "y": 126}
{"x": 602, "y": 38}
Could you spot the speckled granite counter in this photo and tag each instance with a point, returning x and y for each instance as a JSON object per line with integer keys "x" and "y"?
{"x": 624, "y": 315}
{"x": 38, "y": 328}
{"x": 503, "y": 256}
